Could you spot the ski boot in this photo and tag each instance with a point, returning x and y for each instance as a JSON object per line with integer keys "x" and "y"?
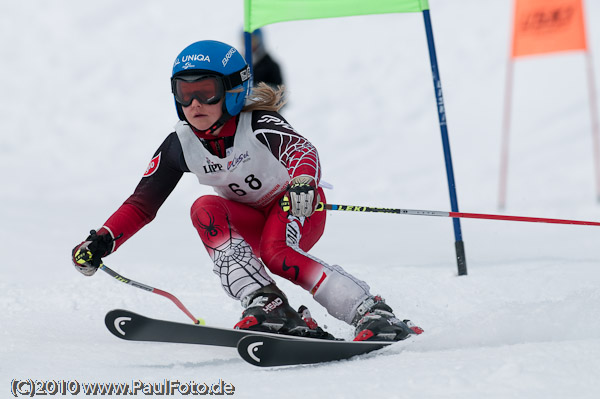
{"x": 268, "y": 310}
{"x": 375, "y": 321}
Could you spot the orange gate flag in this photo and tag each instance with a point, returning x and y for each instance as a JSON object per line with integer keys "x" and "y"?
{"x": 547, "y": 26}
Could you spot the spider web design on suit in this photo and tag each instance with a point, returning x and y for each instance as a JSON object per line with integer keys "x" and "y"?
{"x": 292, "y": 151}
{"x": 240, "y": 271}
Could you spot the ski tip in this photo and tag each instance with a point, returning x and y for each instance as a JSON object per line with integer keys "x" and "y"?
{"x": 116, "y": 320}
{"x": 250, "y": 349}
{"x": 265, "y": 351}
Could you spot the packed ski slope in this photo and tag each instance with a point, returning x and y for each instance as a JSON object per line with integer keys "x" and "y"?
{"x": 85, "y": 101}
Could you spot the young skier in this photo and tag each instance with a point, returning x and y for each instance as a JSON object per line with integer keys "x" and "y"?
{"x": 266, "y": 177}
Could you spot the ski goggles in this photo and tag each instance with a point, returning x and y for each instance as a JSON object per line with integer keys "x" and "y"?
{"x": 207, "y": 89}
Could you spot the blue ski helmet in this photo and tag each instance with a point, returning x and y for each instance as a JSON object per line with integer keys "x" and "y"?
{"x": 220, "y": 59}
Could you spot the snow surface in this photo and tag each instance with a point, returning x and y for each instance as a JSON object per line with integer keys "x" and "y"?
{"x": 85, "y": 101}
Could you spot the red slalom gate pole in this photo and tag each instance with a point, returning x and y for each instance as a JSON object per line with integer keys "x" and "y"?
{"x": 417, "y": 212}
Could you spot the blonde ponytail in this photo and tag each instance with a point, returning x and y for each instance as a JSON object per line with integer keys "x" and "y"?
{"x": 265, "y": 98}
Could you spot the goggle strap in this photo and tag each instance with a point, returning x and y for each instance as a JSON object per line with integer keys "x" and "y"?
{"x": 237, "y": 78}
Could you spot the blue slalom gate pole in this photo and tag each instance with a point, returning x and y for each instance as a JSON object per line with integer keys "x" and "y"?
{"x": 437, "y": 85}
{"x": 248, "y": 55}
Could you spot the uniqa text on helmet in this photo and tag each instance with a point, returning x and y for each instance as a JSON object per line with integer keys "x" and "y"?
{"x": 193, "y": 57}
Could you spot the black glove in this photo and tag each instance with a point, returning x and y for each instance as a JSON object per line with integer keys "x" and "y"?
{"x": 303, "y": 196}
{"x": 87, "y": 256}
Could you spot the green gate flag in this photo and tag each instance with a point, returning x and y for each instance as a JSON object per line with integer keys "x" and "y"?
{"x": 258, "y": 13}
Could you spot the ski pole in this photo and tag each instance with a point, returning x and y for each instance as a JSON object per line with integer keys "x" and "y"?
{"x": 417, "y": 212}
{"x": 145, "y": 287}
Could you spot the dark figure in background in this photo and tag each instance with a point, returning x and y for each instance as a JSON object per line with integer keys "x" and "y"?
{"x": 266, "y": 69}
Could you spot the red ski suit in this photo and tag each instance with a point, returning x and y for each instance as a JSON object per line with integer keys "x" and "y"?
{"x": 280, "y": 241}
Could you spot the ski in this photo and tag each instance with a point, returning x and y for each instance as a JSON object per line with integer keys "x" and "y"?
{"x": 270, "y": 351}
{"x": 257, "y": 348}
{"x": 135, "y": 327}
